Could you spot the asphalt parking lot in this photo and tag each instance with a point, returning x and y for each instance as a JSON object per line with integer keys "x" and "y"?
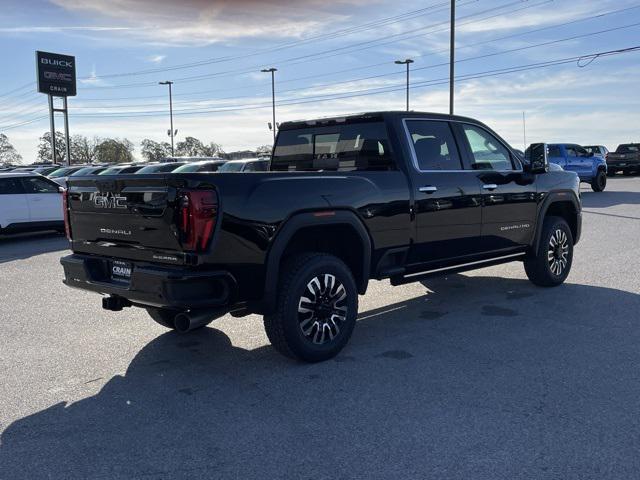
{"x": 473, "y": 376}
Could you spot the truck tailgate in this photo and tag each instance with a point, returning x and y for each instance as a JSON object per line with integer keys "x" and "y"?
{"x": 128, "y": 216}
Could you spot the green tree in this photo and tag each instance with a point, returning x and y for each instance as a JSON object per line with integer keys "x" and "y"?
{"x": 44, "y": 147}
{"x": 212, "y": 150}
{"x": 190, "y": 147}
{"x": 8, "y": 153}
{"x": 153, "y": 151}
{"x": 84, "y": 149}
{"x": 114, "y": 150}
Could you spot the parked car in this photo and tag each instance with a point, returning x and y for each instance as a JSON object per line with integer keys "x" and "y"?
{"x": 29, "y": 202}
{"x": 121, "y": 169}
{"x": 202, "y": 166}
{"x": 161, "y": 167}
{"x": 399, "y": 195}
{"x": 590, "y": 168}
{"x": 625, "y": 159}
{"x": 597, "y": 150}
{"x": 247, "y": 165}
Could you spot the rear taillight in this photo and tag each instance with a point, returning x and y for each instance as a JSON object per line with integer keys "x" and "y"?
{"x": 65, "y": 209}
{"x": 197, "y": 213}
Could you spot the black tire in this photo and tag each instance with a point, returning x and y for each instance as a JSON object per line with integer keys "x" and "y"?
{"x": 627, "y": 173}
{"x": 320, "y": 332}
{"x": 611, "y": 173}
{"x": 163, "y": 316}
{"x": 599, "y": 182}
{"x": 551, "y": 264}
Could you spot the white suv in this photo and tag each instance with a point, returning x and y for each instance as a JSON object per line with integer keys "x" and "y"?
{"x": 29, "y": 202}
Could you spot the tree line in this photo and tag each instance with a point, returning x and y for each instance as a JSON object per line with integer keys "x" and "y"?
{"x": 95, "y": 149}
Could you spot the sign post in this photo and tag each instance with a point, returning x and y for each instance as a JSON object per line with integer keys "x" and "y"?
{"x": 57, "y": 78}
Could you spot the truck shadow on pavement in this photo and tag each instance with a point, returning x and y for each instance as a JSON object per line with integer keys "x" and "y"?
{"x": 481, "y": 377}
{"x": 609, "y": 199}
{"x": 21, "y": 246}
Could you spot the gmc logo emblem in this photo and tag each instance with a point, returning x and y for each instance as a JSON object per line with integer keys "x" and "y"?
{"x": 109, "y": 200}
{"x": 66, "y": 77}
{"x": 56, "y": 63}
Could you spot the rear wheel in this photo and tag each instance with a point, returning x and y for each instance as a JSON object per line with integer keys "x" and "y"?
{"x": 599, "y": 182}
{"x": 316, "y": 310}
{"x": 550, "y": 265}
{"x": 163, "y": 316}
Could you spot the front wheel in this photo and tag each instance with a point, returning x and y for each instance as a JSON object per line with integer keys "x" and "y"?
{"x": 599, "y": 182}
{"x": 317, "y": 306}
{"x": 550, "y": 265}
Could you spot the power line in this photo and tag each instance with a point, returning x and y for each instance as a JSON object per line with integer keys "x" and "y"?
{"x": 354, "y": 80}
{"x": 332, "y": 52}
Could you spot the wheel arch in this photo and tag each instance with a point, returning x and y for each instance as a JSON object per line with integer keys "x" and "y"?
{"x": 563, "y": 204}
{"x": 337, "y": 232}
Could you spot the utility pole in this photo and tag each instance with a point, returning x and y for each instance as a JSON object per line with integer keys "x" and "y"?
{"x": 171, "y": 132}
{"x": 524, "y": 131}
{"x": 452, "y": 55}
{"x": 406, "y": 62}
{"x": 273, "y": 98}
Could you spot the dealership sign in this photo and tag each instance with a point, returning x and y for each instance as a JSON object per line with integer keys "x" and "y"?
{"x": 56, "y": 74}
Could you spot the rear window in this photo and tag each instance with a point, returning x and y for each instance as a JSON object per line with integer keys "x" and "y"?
{"x": 358, "y": 146}
{"x": 628, "y": 148}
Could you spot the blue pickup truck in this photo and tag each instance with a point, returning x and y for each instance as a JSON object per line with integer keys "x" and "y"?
{"x": 591, "y": 169}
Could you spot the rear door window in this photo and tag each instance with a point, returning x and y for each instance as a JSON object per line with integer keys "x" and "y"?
{"x": 351, "y": 147}
{"x": 11, "y": 186}
{"x": 434, "y": 145}
{"x": 39, "y": 185}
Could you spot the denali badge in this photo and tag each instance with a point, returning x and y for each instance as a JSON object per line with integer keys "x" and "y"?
{"x": 109, "y": 200}
{"x": 111, "y": 231}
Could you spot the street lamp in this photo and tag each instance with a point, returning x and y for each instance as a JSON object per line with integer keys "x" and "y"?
{"x": 168, "y": 82}
{"x": 273, "y": 97}
{"x": 406, "y": 62}
{"x": 452, "y": 55}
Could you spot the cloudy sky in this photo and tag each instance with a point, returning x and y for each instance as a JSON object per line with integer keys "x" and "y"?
{"x": 333, "y": 57}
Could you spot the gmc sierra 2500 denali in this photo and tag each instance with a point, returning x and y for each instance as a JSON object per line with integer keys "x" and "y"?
{"x": 399, "y": 195}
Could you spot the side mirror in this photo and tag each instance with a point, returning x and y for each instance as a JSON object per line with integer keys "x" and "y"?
{"x": 536, "y": 158}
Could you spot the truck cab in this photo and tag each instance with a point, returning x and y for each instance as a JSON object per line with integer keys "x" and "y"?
{"x": 590, "y": 168}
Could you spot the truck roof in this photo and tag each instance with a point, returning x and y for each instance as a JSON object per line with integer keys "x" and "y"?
{"x": 370, "y": 116}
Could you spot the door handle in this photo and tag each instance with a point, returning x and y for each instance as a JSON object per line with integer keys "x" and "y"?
{"x": 489, "y": 186}
{"x": 428, "y": 189}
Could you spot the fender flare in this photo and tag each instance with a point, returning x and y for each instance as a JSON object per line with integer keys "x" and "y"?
{"x": 556, "y": 197}
{"x": 311, "y": 219}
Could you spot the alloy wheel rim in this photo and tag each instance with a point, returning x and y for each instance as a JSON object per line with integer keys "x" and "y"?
{"x": 322, "y": 309}
{"x": 558, "y": 252}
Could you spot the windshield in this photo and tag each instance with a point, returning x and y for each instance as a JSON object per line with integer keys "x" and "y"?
{"x": 111, "y": 171}
{"x": 199, "y": 167}
{"x": 86, "y": 171}
{"x": 160, "y": 168}
{"x": 231, "y": 167}
{"x": 61, "y": 172}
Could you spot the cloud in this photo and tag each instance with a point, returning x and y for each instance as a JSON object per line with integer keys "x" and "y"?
{"x": 92, "y": 79}
{"x": 58, "y": 29}
{"x": 156, "y": 58}
{"x": 203, "y": 22}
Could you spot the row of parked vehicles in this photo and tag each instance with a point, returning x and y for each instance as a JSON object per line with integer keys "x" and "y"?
{"x": 30, "y": 197}
{"x": 594, "y": 163}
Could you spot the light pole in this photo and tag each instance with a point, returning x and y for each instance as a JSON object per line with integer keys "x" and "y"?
{"x": 452, "y": 54}
{"x": 273, "y": 97}
{"x": 168, "y": 82}
{"x": 406, "y": 62}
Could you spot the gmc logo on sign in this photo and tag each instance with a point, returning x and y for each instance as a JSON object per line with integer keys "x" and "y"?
{"x": 109, "y": 200}
{"x": 65, "y": 77}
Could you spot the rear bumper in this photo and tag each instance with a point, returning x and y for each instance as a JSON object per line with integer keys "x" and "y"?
{"x": 153, "y": 285}
{"x": 623, "y": 164}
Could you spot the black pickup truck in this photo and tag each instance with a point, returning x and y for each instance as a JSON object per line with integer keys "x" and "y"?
{"x": 625, "y": 159}
{"x": 398, "y": 195}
